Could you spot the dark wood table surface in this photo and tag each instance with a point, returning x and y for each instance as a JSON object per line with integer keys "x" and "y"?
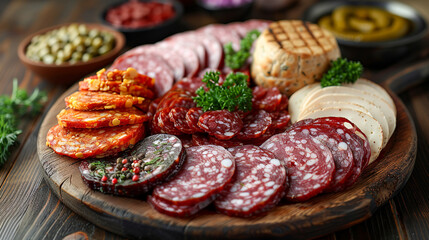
{"x": 29, "y": 209}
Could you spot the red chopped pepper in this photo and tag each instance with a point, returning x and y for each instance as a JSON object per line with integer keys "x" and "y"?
{"x": 114, "y": 181}
{"x": 136, "y": 170}
{"x": 104, "y": 178}
{"x": 135, "y": 178}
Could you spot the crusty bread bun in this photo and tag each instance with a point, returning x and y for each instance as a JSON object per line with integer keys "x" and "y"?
{"x": 292, "y": 54}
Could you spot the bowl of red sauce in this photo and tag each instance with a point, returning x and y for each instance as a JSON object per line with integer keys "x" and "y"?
{"x": 144, "y": 21}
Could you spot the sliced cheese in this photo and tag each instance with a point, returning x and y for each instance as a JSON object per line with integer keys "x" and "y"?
{"x": 367, "y": 124}
{"x": 379, "y": 89}
{"x": 296, "y": 100}
{"x": 346, "y": 100}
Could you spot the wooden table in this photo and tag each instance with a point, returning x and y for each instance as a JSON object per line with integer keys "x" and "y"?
{"x": 28, "y": 208}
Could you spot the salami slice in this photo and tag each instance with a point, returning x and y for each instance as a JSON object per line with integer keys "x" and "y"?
{"x": 177, "y": 115}
{"x": 174, "y": 60}
{"x": 97, "y": 142}
{"x": 200, "y": 139}
{"x": 184, "y": 101}
{"x": 220, "y": 123}
{"x": 254, "y": 125}
{"x": 258, "y": 186}
{"x": 223, "y": 34}
{"x": 192, "y": 117}
{"x": 341, "y": 152}
{"x": 189, "y": 57}
{"x": 178, "y": 211}
{"x": 193, "y": 43}
{"x": 205, "y": 173}
{"x": 269, "y": 102}
{"x": 189, "y": 84}
{"x": 101, "y": 101}
{"x": 212, "y": 46}
{"x": 242, "y": 28}
{"x": 225, "y": 143}
{"x": 103, "y": 118}
{"x": 115, "y": 87}
{"x": 151, "y": 65}
{"x": 309, "y": 163}
{"x": 154, "y": 160}
{"x": 169, "y": 97}
{"x": 280, "y": 120}
{"x": 165, "y": 124}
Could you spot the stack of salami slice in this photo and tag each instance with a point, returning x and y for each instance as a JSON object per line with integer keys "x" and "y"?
{"x": 186, "y": 54}
{"x": 176, "y": 113}
{"x": 321, "y": 155}
{"x": 105, "y": 117}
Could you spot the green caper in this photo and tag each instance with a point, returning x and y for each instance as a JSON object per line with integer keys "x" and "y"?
{"x": 48, "y": 59}
{"x": 77, "y": 56}
{"x": 86, "y": 57}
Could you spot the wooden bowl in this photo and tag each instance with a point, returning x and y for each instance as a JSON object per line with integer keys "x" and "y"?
{"x": 149, "y": 34}
{"x": 66, "y": 73}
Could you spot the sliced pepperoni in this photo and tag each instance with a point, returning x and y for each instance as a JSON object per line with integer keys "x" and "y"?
{"x": 165, "y": 124}
{"x": 206, "y": 171}
{"x": 200, "y": 139}
{"x": 254, "y": 125}
{"x": 269, "y": 102}
{"x": 158, "y": 158}
{"x": 284, "y": 103}
{"x": 184, "y": 101}
{"x": 102, "y": 118}
{"x": 220, "y": 123}
{"x": 258, "y": 186}
{"x": 115, "y": 87}
{"x": 97, "y": 142}
{"x": 149, "y": 64}
{"x": 343, "y": 156}
{"x": 192, "y": 118}
{"x": 280, "y": 120}
{"x": 101, "y": 101}
{"x": 153, "y": 106}
{"x": 177, "y": 115}
{"x": 309, "y": 163}
{"x": 189, "y": 56}
{"x": 169, "y": 97}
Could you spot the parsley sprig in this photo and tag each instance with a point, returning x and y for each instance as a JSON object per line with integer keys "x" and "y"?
{"x": 236, "y": 59}
{"x": 232, "y": 95}
{"x": 342, "y": 71}
{"x": 12, "y": 109}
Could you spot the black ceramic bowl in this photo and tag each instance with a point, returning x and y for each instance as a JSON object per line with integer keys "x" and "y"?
{"x": 151, "y": 34}
{"x": 375, "y": 54}
{"x": 227, "y": 14}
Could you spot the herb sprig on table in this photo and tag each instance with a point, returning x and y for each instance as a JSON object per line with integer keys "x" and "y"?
{"x": 236, "y": 59}
{"x": 341, "y": 71}
{"x": 12, "y": 109}
{"x": 233, "y": 94}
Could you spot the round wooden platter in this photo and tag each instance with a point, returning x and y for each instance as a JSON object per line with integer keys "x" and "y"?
{"x": 135, "y": 218}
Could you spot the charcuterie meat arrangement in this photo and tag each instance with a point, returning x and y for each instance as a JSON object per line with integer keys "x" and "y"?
{"x": 178, "y": 123}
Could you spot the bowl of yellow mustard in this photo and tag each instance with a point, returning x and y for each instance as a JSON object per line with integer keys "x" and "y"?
{"x": 375, "y": 33}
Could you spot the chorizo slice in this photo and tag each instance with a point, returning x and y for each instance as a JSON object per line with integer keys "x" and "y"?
{"x": 119, "y": 87}
{"x": 86, "y": 101}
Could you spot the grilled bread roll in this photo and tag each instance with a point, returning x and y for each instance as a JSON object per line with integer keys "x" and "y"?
{"x": 292, "y": 54}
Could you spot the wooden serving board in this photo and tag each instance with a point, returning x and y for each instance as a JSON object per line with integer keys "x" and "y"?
{"x": 326, "y": 213}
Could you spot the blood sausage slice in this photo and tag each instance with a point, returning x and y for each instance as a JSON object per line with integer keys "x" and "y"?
{"x": 101, "y": 101}
{"x": 309, "y": 163}
{"x": 258, "y": 186}
{"x": 149, "y": 64}
{"x": 220, "y": 123}
{"x": 97, "y": 142}
{"x": 102, "y": 118}
{"x": 205, "y": 173}
{"x": 154, "y": 160}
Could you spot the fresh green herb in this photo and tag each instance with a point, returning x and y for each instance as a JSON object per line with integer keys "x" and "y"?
{"x": 236, "y": 59}
{"x": 154, "y": 160}
{"x": 342, "y": 71}
{"x": 12, "y": 109}
{"x": 232, "y": 95}
{"x": 98, "y": 168}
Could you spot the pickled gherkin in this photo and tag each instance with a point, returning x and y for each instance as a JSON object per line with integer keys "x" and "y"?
{"x": 70, "y": 44}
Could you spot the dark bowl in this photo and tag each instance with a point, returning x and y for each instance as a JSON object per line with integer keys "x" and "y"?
{"x": 227, "y": 14}
{"x": 66, "y": 73}
{"x": 376, "y": 54}
{"x": 151, "y": 34}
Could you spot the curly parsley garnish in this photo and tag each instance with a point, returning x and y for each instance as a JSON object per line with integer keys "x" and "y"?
{"x": 232, "y": 95}
{"x": 12, "y": 109}
{"x": 342, "y": 71}
{"x": 236, "y": 60}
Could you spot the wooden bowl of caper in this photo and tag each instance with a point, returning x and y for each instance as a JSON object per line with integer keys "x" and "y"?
{"x": 64, "y": 53}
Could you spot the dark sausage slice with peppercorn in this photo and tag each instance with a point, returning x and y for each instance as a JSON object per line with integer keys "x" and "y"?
{"x": 154, "y": 160}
